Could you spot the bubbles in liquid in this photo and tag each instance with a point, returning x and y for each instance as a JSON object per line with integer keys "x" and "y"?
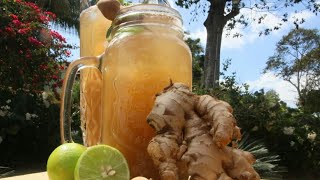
{"x": 140, "y": 66}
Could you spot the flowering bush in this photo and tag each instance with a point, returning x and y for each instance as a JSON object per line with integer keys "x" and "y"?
{"x": 295, "y": 137}
{"x": 32, "y": 62}
{"x": 31, "y": 54}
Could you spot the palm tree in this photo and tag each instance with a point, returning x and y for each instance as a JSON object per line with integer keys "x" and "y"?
{"x": 67, "y": 11}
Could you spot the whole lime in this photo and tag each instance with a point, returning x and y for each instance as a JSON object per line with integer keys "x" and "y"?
{"x": 62, "y": 161}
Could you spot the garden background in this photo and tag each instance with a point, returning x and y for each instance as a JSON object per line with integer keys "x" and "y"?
{"x": 34, "y": 56}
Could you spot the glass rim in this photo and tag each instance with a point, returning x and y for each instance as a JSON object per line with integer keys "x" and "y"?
{"x": 147, "y": 8}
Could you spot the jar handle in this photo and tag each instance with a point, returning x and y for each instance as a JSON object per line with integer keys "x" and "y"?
{"x": 66, "y": 95}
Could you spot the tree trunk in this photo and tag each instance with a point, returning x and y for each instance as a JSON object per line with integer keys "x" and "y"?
{"x": 212, "y": 53}
{"x": 214, "y": 24}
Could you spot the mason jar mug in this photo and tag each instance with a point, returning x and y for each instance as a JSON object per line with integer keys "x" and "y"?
{"x": 145, "y": 54}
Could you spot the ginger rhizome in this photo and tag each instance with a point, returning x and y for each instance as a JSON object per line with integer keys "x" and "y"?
{"x": 193, "y": 133}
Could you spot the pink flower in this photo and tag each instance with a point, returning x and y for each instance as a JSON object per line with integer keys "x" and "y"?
{"x": 34, "y": 41}
{"x": 55, "y": 34}
{"x": 32, "y": 5}
{"x": 28, "y": 55}
{"x": 9, "y": 30}
{"x": 16, "y": 23}
{"x": 50, "y": 14}
{"x": 43, "y": 67}
{"x": 54, "y": 77}
{"x": 13, "y": 16}
{"x": 23, "y": 30}
{"x": 44, "y": 18}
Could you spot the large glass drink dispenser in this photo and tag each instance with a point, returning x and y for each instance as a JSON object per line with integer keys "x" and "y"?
{"x": 93, "y": 30}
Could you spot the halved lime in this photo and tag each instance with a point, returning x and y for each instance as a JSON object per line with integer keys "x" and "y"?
{"x": 102, "y": 162}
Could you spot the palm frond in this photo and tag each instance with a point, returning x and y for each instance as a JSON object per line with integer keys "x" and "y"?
{"x": 67, "y": 11}
{"x": 267, "y": 163}
{"x": 5, "y": 171}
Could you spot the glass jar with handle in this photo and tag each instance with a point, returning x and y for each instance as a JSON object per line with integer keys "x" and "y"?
{"x": 145, "y": 53}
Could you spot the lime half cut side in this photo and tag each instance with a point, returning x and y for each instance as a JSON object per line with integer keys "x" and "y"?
{"x": 102, "y": 162}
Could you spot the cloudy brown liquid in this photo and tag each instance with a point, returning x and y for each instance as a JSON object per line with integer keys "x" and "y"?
{"x": 134, "y": 70}
{"x": 93, "y": 28}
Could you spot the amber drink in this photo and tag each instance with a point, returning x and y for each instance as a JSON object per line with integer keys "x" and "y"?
{"x": 141, "y": 61}
{"x": 93, "y": 29}
{"x": 146, "y": 53}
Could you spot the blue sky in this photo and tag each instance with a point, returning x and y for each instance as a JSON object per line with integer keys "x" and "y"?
{"x": 249, "y": 53}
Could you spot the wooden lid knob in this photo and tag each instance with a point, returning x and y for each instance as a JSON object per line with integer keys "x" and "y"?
{"x": 109, "y": 8}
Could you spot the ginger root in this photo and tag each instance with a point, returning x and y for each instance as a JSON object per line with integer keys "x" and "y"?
{"x": 192, "y": 137}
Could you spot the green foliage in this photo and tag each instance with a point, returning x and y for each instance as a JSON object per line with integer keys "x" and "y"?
{"x": 76, "y": 122}
{"x": 197, "y": 60}
{"x": 226, "y": 15}
{"x": 267, "y": 164}
{"x": 311, "y": 102}
{"x": 289, "y": 132}
{"x": 29, "y": 126}
{"x": 297, "y": 60}
{"x": 5, "y": 171}
{"x": 229, "y": 11}
{"x": 294, "y": 137}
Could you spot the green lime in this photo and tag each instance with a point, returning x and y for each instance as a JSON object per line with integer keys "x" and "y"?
{"x": 102, "y": 162}
{"x": 62, "y": 161}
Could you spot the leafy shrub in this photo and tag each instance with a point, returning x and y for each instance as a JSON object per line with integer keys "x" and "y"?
{"x": 29, "y": 126}
{"x": 290, "y": 132}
